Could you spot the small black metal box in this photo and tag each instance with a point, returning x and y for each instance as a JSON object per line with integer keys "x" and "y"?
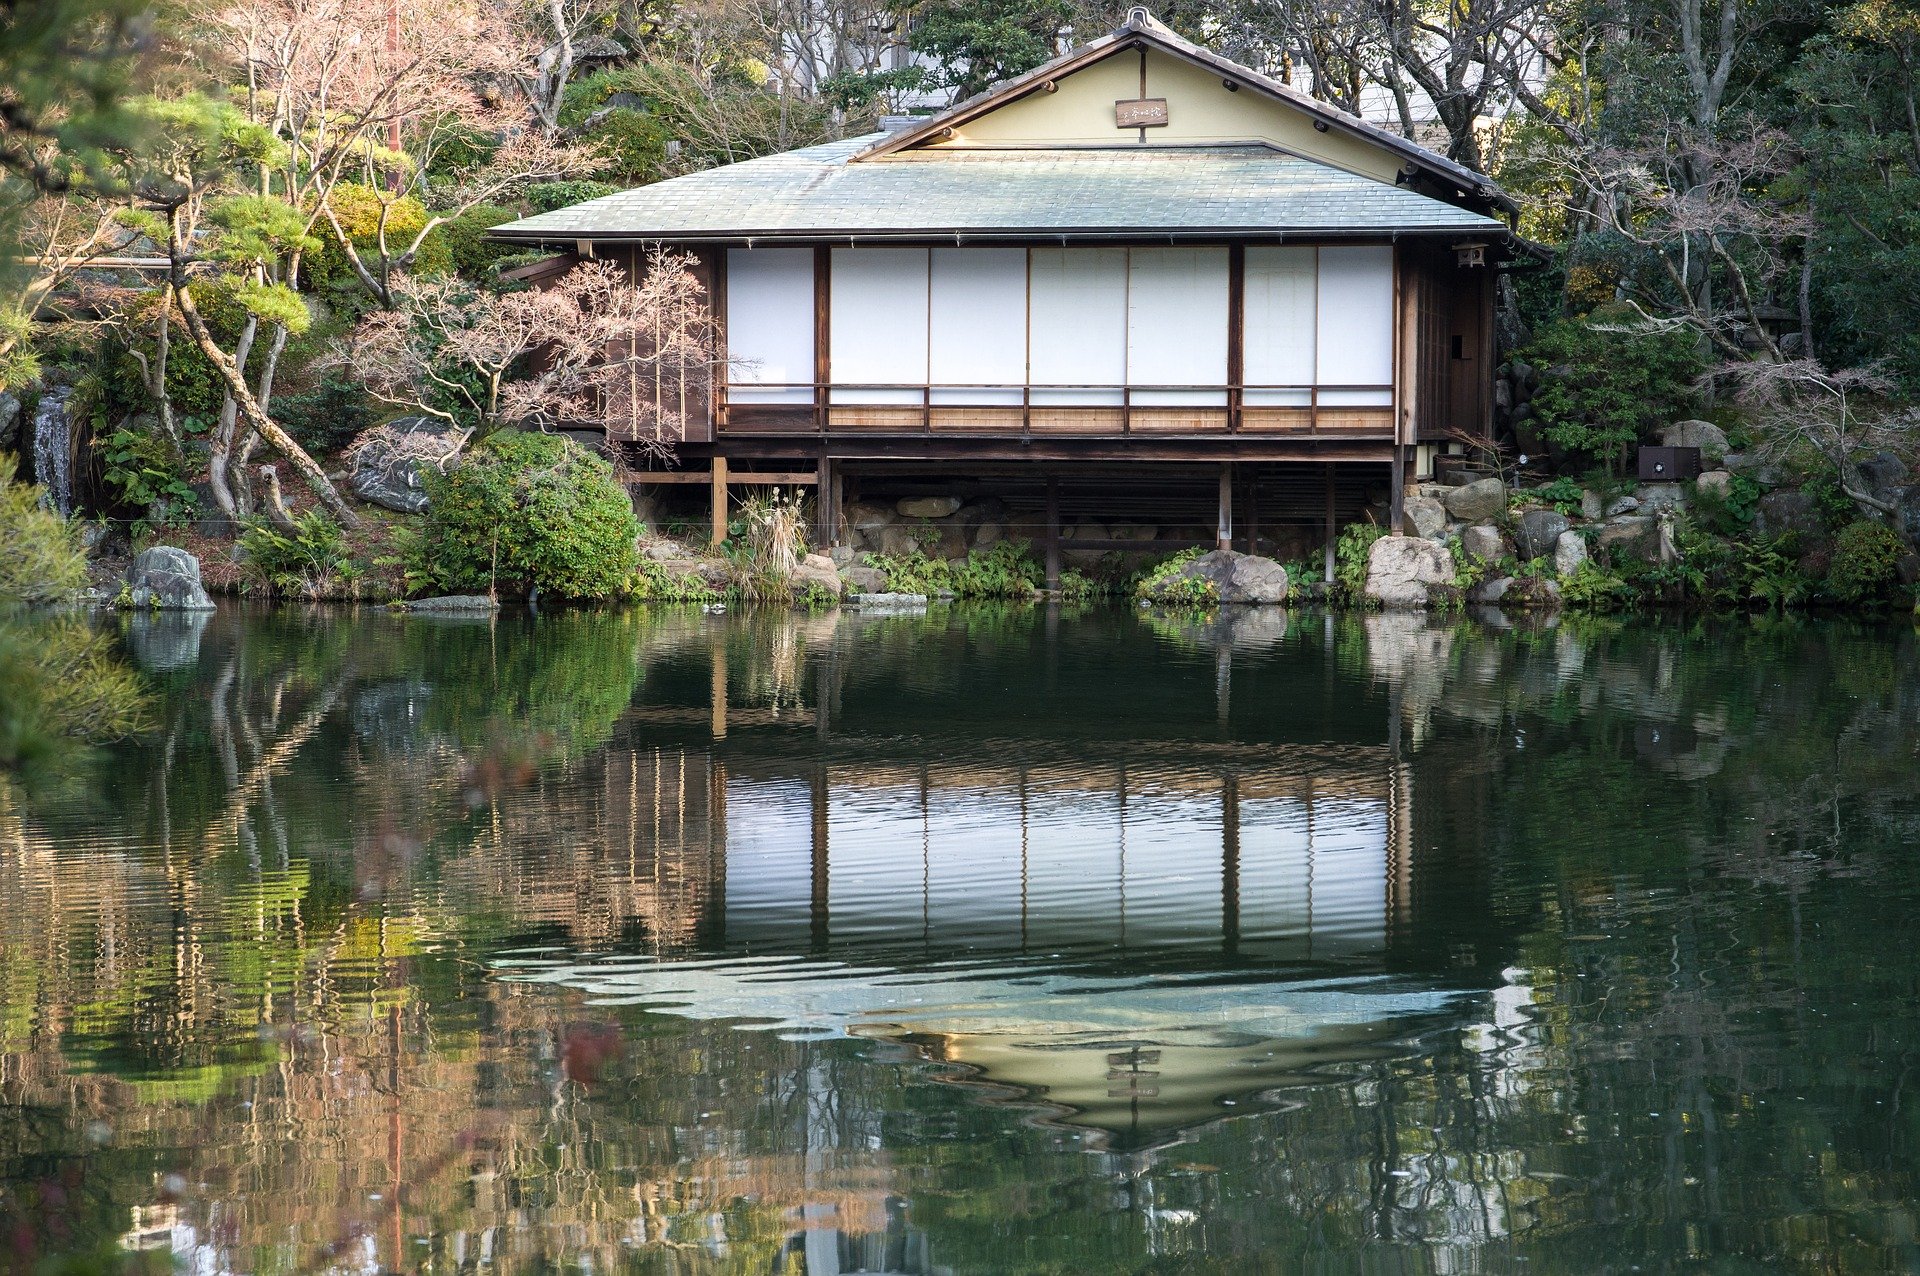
{"x": 1669, "y": 464}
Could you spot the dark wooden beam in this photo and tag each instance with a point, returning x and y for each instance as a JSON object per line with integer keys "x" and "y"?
{"x": 719, "y": 501}
{"x": 1236, "y": 334}
{"x": 822, "y": 333}
{"x": 1224, "y": 533}
{"x": 735, "y": 478}
{"x": 1053, "y": 533}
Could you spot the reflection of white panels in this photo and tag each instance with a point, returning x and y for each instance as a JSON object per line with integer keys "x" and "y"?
{"x": 1279, "y": 325}
{"x": 1173, "y": 859}
{"x": 1073, "y": 873}
{"x": 1355, "y": 335}
{"x": 977, "y": 329}
{"x": 1349, "y": 873}
{"x": 1078, "y": 318}
{"x": 1276, "y": 876}
{"x": 973, "y": 869}
{"x": 878, "y": 875}
{"x": 769, "y": 863}
{"x": 1177, "y": 324}
{"x": 878, "y": 318}
{"x": 770, "y": 325}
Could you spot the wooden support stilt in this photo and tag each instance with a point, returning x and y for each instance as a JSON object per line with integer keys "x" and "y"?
{"x": 1397, "y": 497}
{"x": 1333, "y": 532}
{"x": 1053, "y": 533}
{"x": 719, "y": 499}
{"x": 1223, "y": 537}
{"x": 1253, "y": 510}
{"x": 825, "y": 517}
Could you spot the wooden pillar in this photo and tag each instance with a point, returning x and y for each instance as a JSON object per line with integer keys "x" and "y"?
{"x": 1397, "y": 497}
{"x": 1053, "y": 533}
{"x": 717, "y": 692}
{"x": 1333, "y": 532}
{"x": 1223, "y": 536}
{"x": 1253, "y": 510}
{"x": 825, "y": 515}
{"x": 719, "y": 499}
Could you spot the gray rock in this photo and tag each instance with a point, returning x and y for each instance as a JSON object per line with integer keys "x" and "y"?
{"x": 1238, "y": 578}
{"x": 1715, "y": 485}
{"x": 1537, "y": 533}
{"x": 453, "y": 604}
{"x": 1483, "y": 544}
{"x": 842, "y": 555}
{"x": 867, "y": 518}
{"x": 387, "y": 463}
{"x": 897, "y": 540}
{"x": 989, "y": 534}
{"x": 1622, "y": 505}
{"x": 1705, "y": 435}
{"x": 1631, "y": 537}
{"x": 1787, "y": 510}
{"x": 1882, "y": 472}
{"x": 1490, "y": 592}
{"x": 1569, "y": 551}
{"x": 1907, "y": 501}
{"x": 1593, "y": 506}
{"x": 167, "y": 579}
{"x": 1478, "y": 501}
{"x": 818, "y": 571}
{"x": 890, "y": 602}
{"x": 9, "y": 422}
{"x": 927, "y": 506}
{"x": 665, "y": 551}
{"x": 1400, "y": 570}
{"x": 864, "y": 580}
{"x": 1426, "y": 516}
{"x": 1656, "y": 498}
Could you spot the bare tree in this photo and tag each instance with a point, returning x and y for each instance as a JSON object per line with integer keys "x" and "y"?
{"x": 1835, "y": 413}
{"x": 593, "y": 346}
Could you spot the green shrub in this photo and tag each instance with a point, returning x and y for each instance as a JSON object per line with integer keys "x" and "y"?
{"x": 1865, "y": 567}
{"x": 1563, "y": 494}
{"x": 1602, "y": 390}
{"x": 43, "y": 561}
{"x": 60, "y": 687}
{"x": 358, "y": 209}
{"x": 468, "y": 248}
{"x": 1596, "y": 588}
{"x": 653, "y": 583}
{"x": 1729, "y": 511}
{"x": 140, "y": 467}
{"x": 1003, "y": 570}
{"x": 328, "y": 416}
{"x": 547, "y": 196}
{"x": 1350, "y": 555}
{"x": 312, "y": 561}
{"x": 523, "y": 512}
{"x": 1158, "y": 583}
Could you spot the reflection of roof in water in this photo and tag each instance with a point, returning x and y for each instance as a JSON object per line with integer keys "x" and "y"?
{"x": 1137, "y": 1058}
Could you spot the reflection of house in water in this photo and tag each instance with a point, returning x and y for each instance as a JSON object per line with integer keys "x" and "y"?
{"x": 1139, "y": 918}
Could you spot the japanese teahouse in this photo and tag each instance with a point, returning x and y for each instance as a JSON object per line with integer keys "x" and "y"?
{"x": 1140, "y": 272}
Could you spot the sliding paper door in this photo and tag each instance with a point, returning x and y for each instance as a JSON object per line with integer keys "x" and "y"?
{"x": 977, "y": 325}
{"x": 1355, "y": 334}
{"x": 878, "y": 321}
{"x": 1280, "y": 338}
{"x": 770, "y": 325}
{"x": 1078, "y": 323}
{"x": 1177, "y": 326}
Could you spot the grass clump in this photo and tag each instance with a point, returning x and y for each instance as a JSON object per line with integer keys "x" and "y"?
{"x": 43, "y": 561}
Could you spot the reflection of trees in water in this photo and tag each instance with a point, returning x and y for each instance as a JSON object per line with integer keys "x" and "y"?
{"x": 1699, "y": 837}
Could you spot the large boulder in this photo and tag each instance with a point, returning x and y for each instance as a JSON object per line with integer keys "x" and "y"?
{"x": 1477, "y": 502}
{"x": 1483, "y": 543}
{"x": 386, "y": 464}
{"x": 1705, "y": 435}
{"x": 1882, "y": 472}
{"x": 927, "y": 506}
{"x": 1714, "y": 485}
{"x": 1538, "y": 532}
{"x": 1238, "y": 578}
{"x": 9, "y": 422}
{"x": 1401, "y": 570}
{"x": 865, "y": 520}
{"x": 864, "y": 580}
{"x": 1788, "y": 510}
{"x": 818, "y": 572}
{"x": 165, "y": 578}
{"x": 1427, "y": 516}
{"x": 1907, "y": 501}
{"x": 1631, "y": 538}
{"x": 1568, "y": 553}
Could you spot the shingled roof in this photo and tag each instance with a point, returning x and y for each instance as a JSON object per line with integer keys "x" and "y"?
{"x": 1178, "y": 192}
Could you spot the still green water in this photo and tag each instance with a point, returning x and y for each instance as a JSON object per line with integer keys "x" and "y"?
{"x": 985, "y": 941}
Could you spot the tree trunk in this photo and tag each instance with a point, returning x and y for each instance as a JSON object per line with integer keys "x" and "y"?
{"x": 274, "y": 503}
{"x": 236, "y": 383}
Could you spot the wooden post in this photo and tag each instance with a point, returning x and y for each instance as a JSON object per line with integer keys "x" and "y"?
{"x": 824, "y": 514}
{"x": 1397, "y": 497}
{"x": 1333, "y": 532}
{"x": 1223, "y": 535}
{"x": 717, "y": 691}
{"x": 1053, "y": 533}
{"x": 719, "y": 499}
{"x": 1253, "y": 510}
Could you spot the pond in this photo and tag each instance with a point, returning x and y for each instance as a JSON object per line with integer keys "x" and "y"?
{"x": 989, "y": 940}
